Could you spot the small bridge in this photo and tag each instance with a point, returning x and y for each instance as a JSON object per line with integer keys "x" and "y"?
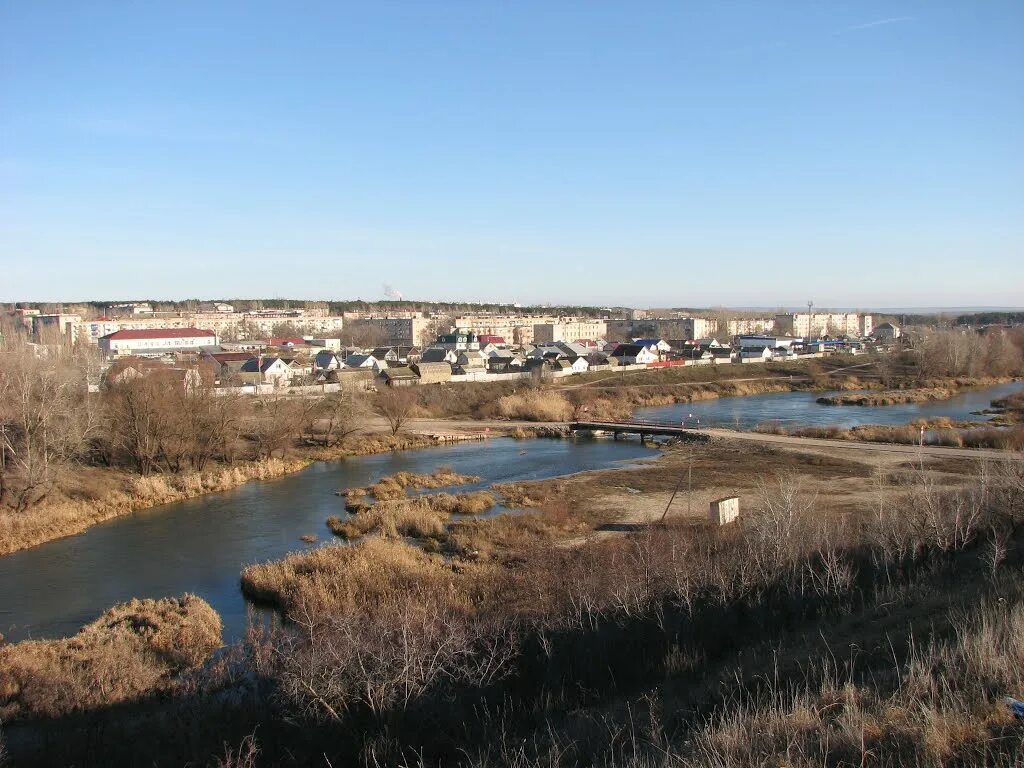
{"x": 640, "y": 427}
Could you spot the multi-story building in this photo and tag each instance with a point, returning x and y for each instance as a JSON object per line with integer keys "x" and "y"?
{"x": 50, "y": 328}
{"x": 254, "y": 324}
{"x": 811, "y": 325}
{"x": 743, "y": 326}
{"x": 404, "y": 329}
{"x": 664, "y": 328}
{"x": 569, "y": 329}
{"x": 156, "y": 341}
{"x": 515, "y": 329}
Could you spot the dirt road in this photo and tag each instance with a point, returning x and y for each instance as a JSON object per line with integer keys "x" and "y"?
{"x": 449, "y": 427}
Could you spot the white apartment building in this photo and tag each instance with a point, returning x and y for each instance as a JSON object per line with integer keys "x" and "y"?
{"x": 743, "y": 326}
{"x": 569, "y": 329}
{"x": 810, "y": 325}
{"x": 156, "y": 341}
{"x": 259, "y": 323}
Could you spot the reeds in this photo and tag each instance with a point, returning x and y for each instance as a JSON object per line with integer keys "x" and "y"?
{"x": 130, "y": 651}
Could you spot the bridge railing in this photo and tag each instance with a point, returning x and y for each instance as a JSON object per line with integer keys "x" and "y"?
{"x": 636, "y": 423}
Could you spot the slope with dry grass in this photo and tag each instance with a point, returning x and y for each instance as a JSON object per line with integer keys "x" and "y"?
{"x": 131, "y": 651}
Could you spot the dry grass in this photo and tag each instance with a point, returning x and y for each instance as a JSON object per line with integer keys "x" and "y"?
{"x": 393, "y": 487}
{"x": 347, "y": 579}
{"x": 130, "y": 651}
{"x": 419, "y": 517}
{"x": 951, "y": 436}
{"x": 533, "y": 405}
{"x": 514, "y": 495}
{"x": 943, "y": 708}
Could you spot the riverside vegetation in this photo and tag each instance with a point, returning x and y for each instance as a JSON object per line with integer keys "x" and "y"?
{"x": 801, "y": 635}
{"x": 71, "y": 459}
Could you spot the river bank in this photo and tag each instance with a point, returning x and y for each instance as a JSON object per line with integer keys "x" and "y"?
{"x": 102, "y": 494}
{"x": 916, "y": 394}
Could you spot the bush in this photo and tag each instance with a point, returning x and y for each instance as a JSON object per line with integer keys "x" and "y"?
{"x": 130, "y": 651}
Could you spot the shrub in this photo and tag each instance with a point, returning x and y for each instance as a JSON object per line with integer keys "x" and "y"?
{"x": 130, "y": 651}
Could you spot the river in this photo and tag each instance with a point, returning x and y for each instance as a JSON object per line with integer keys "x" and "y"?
{"x": 201, "y": 545}
{"x": 801, "y": 409}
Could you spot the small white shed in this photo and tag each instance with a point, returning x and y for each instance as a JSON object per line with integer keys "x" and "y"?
{"x": 725, "y": 511}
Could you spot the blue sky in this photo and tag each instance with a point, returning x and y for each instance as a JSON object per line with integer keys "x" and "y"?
{"x": 676, "y": 153}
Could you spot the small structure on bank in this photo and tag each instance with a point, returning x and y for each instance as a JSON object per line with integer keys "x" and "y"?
{"x": 724, "y": 511}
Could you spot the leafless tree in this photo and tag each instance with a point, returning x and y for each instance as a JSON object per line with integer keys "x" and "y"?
{"x": 396, "y": 405}
{"x": 438, "y": 325}
{"x": 402, "y": 651}
{"x": 331, "y": 419}
{"x": 46, "y": 421}
{"x": 275, "y": 426}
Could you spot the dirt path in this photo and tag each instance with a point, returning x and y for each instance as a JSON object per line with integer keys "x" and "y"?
{"x": 451, "y": 426}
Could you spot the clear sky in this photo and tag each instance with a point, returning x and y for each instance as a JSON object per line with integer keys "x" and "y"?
{"x": 642, "y": 153}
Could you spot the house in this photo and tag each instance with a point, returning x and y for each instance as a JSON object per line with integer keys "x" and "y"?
{"x": 459, "y": 340}
{"x": 127, "y": 369}
{"x": 589, "y": 344}
{"x": 156, "y": 341}
{"x": 600, "y": 360}
{"x": 634, "y": 354}
{"x": 471, "y": 359}
{"x": 439, "y": 355}
{"x": 504, "y": 361}
{"x": 401, "y": 376}
{"x": 364, "y": 361}
{"x": 266, "y": 370}
{"x": 226, "y": 364}
{"x": 579, "y": 365}
{"x": 433, "y": 373}
{"x": 484, "y": 339}
{"x": 655, "y": 345}
{"x": 773, "y": 342}
{"x": 285, "y": 341}
{"x": 694, "y": 353}
{"x": 327, "y": 361}
{"x": 887, "y": 332}
{"x": 722, "y": 354}
{"x": 385, "y": 354}
{"x": 757, "y": 353}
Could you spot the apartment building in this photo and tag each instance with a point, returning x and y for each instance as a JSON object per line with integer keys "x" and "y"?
{"x": 403, "y": 329}
{"x": 744, "y": 326}
{"x": 810, "y": 325}
{"x": 569, "y": 329}
{"x": 515, "y": 329}
{"x": 254, "y": 324}
{"x": 664, "y": 327}
{"x": 49, "y": 328}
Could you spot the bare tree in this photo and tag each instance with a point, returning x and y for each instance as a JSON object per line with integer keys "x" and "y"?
{"x": 275, "y": 426}
{"x": 396, "y": 405}
{"x": 46, "y": 421}
{"x": 331, "y": 419}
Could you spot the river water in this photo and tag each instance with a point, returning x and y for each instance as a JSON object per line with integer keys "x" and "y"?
{"x": 201, "y": 545}
{"x": 801, "y": 409}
